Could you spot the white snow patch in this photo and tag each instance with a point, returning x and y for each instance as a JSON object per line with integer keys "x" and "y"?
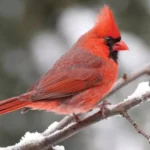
{"x": 28, "y": 137}
{"x": 34, "y": 138}
{"x": 140, "y": 90}
{"x": 59, "y": 147}
{"x": 51, "y": 127}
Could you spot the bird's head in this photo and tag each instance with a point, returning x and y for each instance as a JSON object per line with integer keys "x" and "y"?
{"x": 107, "y": 29}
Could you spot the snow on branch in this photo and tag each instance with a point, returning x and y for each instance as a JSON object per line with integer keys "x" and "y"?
{"x": 34, "y": 141}
{"x": 67, "y": 127}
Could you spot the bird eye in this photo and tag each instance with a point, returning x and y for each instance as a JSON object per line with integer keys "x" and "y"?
{"x": 109, "y": 40}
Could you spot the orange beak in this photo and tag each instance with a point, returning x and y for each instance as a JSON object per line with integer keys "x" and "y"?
{"x": 120, "y": 46}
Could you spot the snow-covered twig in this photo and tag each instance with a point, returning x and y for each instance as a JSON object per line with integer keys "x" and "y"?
{"x": 34, "y": 141}
{"x": 142, "y": 88}
{"x": 64, "y": 122}
{"x": 126, "y": 79}
{"x": 67, "y": 128}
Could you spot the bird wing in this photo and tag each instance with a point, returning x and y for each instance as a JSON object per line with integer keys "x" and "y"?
{"x": 66, "y": 83}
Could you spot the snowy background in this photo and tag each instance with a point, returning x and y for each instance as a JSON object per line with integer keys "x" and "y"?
{"x": 35, "y": 33}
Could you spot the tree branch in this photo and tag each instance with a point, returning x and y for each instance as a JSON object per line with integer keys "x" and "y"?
{"x": 118, "y": 85}
{"x": 67, "y": 128}
{"x": 135, "y": 125}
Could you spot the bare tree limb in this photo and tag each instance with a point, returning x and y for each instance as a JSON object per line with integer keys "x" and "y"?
{"x": 67, "y": 128}
{"x": 118, "y": 85}
{"x": 60, "y": 135}
{"x": 111, "y": 110}
{"x": 135, "y": 125}
{"x": 64, "y": 122}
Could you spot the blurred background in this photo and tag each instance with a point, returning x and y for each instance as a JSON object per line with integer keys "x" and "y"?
{"x": 35, "y": 33}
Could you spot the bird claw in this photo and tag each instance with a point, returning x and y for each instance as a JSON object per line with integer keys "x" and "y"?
{"x": 77, "y": 119}
{"x": 103, "y": 107}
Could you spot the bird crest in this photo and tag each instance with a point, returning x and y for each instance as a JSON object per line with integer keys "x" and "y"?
{"x": 106, "y": 25}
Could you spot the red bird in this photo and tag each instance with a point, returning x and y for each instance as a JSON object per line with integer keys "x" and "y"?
{"x": 81, "y": 77}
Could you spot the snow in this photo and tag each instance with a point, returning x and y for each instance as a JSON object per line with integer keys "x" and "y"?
{"x": 34, "y": 138}
{"x": 142, "y": 88}
{"x": 58, "y": 147}
{"x": 51, "y": 127}
{"x": 28, "y": 137}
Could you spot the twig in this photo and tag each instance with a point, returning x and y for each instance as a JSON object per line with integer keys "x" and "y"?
{"x": 65, "y": 129}
{"x": 111, "y": 110}
{"x": 135, "y": 125}
{"x": 125, "y": 76}
{"x": 118, "y": 85}
{"x": 63, "y": 123}
{"x": 75, "y": 127}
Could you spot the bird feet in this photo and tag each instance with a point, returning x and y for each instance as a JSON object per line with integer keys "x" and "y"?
{"x": 103, "y": 107}
{"x": 77, "y": 119}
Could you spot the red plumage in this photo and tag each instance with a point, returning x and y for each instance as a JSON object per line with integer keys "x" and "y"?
{"x": 81, "y": 77}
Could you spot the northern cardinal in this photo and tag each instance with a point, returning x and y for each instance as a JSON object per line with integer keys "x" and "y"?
{"x": 81, "y": 77}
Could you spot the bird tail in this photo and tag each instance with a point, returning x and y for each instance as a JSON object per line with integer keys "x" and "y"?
{"x": 15, "y": 103}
